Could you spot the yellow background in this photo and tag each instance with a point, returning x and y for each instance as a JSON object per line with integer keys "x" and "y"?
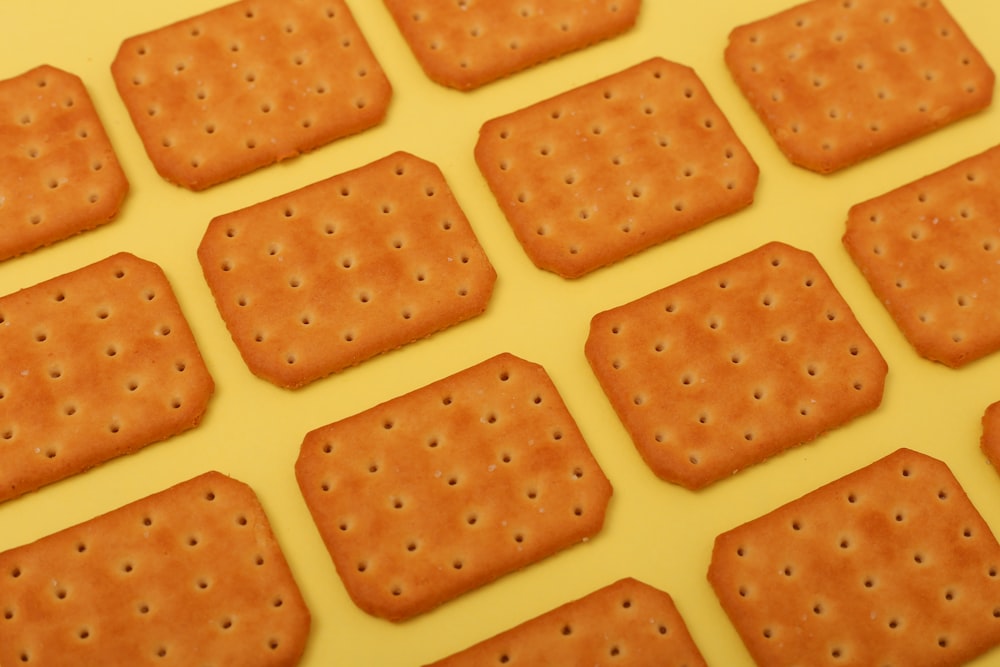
{"x": 656, "y": 532}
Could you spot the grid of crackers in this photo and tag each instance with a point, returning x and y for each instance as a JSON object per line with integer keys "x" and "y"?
{"x": 461, "y": 332}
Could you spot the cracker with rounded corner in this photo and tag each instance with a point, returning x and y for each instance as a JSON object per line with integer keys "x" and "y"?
{"x": 470, "y": 43}
{"x": 59, "y": 174}
{"x": 889, "y": 565}
{"x": 930, "y": 250}
{"x": 989, "y": 441}
{"x": 218, "y": 95}
{"x": 603, "y": 171}
{"x": 627, "y": 621}
{"x": 94, "y": 364}
{"x": 836, "y": 82}
{"x": 191, "y": 575}
{"x": 327, "y": 276}
{"x": 735, "y": 364}
{"x": 446, "y": 488}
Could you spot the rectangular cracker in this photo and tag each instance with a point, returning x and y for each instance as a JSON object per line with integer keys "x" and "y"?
{"x": 836, "y": 82}
{"x": 191, "y": 575}
{"x": 931, "y": 252}
{"x": 465, "y": 44}
{"x": 447, "y": 488}
{"x": 218, "y": 95}
{"x": 600, "y": 172}
{"x": 889, "y": 565}
{"x": 735, "y": 364}
{"x": 627, "y": 622}
{"x": 334, "y": 273}
{"x": 94, "y": 364}
{"x": 59, "y": 174}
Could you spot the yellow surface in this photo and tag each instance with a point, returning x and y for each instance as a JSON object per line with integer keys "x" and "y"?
{"x": 656, "y": 532}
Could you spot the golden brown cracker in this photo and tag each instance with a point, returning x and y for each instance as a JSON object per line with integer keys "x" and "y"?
{"x": 836, "y": 82}
{"x": 627, "y": 622}
{"x": 465, "y": 44}
{"x": 334, "y": 273}
{"x": 735, "y": 364}
{"x": 616, "y": 166}
{"x": 59, "y": 174}
{"x": 931, "y": 252}
{"x": 889, "y": 565}
{"x": 188, "y": 576}
{"x": 989, "y": 441}
{"x": 239, "y": 87}
{"x": 446, "y": 488}
{"x": 95, "y": 363}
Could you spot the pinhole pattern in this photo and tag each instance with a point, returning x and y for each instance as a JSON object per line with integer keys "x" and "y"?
{"x": 623, "y": 621}
{"x": 836, "y": 83}
{"x": 334, "y": 273}
{"x": 109, "y": 349}
{"x": 245, "y": 92}
{"x": 891, "y": 564}
{"x": 199, "y": 555}
{"x": 603, "y": 171}
{"x": 465, "y": 45}
{"x": 735, "y": 364}
{"x": 930, "y": 251}
{"x": 440, "y": 490}
{"x": 62, "y": 176}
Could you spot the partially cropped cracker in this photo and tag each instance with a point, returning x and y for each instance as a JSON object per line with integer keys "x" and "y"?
{"x": 628, "y": 622}
{"x": 450, "y": 486}
{"x": 324, "y": 277}
{"x": 188, "y": 576}
{"x": 735, "y": 364}
{"x": 59, "y": 174}
{"x": 839, "y": 81}
{"x": 465, "y": 44}
{"x": 239, "y": 87}
{"x": 603, "y": 171}
{"x": 989, "y": 441}
{"x": 94, "y": 364}
{"x": 931, "y": 252}
{"x": 889, "y": 565}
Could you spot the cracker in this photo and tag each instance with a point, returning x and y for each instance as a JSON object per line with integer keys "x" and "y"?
{"x": 613, "y": 167}
{"x": 931, "y": 252}
{"x": 188, "y": 576}
{"x": 465, "y": 44}
{"x": 218, "y": 95}
{"x": 94, "y": 364}
{"x": 989, "y": 442}
{"x": 446, "y": 488}
{"x": 889, "y": 565}
{"x": 627, "y": 622}
{"x": 59, "y": 174}
{"x": 836, "y": 82}
{"x": 329, "y": 275}
{"x": 735, "y": 364}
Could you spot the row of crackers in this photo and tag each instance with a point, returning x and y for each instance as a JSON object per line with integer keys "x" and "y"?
{"x": 329, "y": 275}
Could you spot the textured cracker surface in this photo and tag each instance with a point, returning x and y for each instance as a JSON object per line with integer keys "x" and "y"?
{"x": 226, "y": 92}
{"x": 989, "y": 441}
{"x": 322, "y": 278}
{"x": 839, "y": 81}
{"x": 188, "y": 576}
{"x": 448, "y": 487}
{"x": 627, "y": 622}
{"x": 889, "y": 565}
{"x": 465, "y": 44}
{"x": 600, "y": 172}
{"x": 58, "y": 171}
{"x": 931, "y": 252}
{"x": 95, "y": 363}
{"x": 735, "y": 364}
